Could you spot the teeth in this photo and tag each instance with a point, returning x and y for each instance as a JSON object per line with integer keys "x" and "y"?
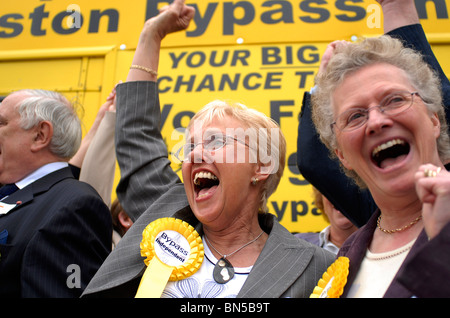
{"x": 387, "y": 145}
{"x": 203, "y": 175}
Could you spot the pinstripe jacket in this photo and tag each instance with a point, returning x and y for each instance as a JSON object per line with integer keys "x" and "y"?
{"x": 59, "y": 226}
{"x": 149, "y": 189}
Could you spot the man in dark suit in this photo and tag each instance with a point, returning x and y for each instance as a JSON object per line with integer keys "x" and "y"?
{"x": 55, "y": 231}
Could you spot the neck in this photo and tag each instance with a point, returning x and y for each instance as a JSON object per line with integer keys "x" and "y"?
{"x": 338, "y": 236}
{"x": 226, "y": 242}
{"x": 383, "y": 241}
{"x": 398, "y": 210}
{"x": 398, "y": 218}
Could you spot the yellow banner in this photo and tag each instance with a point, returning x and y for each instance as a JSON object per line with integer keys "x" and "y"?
{"x": 36, "y": 24}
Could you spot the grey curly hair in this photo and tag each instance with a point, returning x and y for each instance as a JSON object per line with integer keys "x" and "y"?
{"x": 349, "y": 58}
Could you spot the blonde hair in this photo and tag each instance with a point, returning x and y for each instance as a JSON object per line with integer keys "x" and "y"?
{"x": 259, "y": 124}
{"x": 354, "y": 56}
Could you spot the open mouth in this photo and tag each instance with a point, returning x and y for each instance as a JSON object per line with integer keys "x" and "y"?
{"x": 390, "y": 152}
{"x": 205, "y": 182}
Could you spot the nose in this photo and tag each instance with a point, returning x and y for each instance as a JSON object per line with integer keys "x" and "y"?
{"x": 200, "y": 155}
{"x": 377, "y": 120}
{"x": 196, "y": 155}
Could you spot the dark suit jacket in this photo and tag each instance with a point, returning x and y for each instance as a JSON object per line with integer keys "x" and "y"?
{"x": 59, "y": 233}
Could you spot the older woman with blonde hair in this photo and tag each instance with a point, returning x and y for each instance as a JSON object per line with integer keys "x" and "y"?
{"x": 378, "y": 108}
{"x": 262, "y": 135}
{"x": 232, "y": 162}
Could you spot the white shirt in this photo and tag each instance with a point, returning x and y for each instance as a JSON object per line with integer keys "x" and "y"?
{"x": 377, "y": 272}
{"x": 202, "y": 284}
{"x": 324, "y": 241}
{"x": 41, "y": 172}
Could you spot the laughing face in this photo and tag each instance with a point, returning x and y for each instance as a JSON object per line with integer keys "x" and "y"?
{"x": 387, "y": 150}
{"x": 218, "y": 185}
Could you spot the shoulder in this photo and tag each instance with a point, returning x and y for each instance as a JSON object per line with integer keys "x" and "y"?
{"x": 60, "y": 195}
{"x": 312, "y": 237}
{"x": 280, "y": 236}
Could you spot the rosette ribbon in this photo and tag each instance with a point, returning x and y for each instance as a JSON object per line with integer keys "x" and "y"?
{"x": 173, "y": 250}
{"x": 333, "y": 281}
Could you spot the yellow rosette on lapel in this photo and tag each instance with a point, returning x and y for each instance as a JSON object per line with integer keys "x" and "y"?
{"x": 173, "y": 251}
{"x": 332, "y": 283}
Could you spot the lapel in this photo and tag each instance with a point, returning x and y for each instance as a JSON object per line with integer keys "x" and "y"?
{"x": 27, "y": 194}
{"x": 396, "y": 289}
{"x": 357, "y": 250}
{"x": 125, "y": 265}
{"x": 272, "y": 279}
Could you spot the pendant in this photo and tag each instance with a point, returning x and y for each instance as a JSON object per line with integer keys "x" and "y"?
{"x": 223, "y": 271}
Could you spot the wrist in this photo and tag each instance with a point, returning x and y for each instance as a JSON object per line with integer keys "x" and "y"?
{"x": 398, "y": 13}
{"x": 150, "y": 33}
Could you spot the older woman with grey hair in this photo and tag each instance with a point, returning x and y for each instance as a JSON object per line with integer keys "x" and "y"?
{"x": 378, "y": 109}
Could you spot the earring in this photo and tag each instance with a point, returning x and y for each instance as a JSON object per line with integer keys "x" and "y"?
{"x": 254, "y": 181}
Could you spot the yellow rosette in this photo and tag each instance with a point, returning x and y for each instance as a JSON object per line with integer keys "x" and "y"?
{"x": 332, "y": 283}
{"x": 173, "y": 251}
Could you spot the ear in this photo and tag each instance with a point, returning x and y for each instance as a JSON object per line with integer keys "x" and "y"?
{"x": 342, "y": 159}
{"x": 43, "y": 136}
{"x": 124, "y": 220}
{"x": 263, "y": 171}
{"x": 436, "y": 124}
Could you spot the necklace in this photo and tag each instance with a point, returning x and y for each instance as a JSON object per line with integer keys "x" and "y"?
{"x": 399, "y": 252}
{"x": 399, "y": 229}
{"x": 224, "y": 270}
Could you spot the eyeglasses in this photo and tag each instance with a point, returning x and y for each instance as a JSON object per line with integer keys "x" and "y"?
{"x": 391, "y": 105}
{"x": 213, "y": 143}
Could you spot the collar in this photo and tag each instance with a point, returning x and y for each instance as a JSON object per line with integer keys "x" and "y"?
{"x": 324, "y": 241}
{"x": 41, "y": 172}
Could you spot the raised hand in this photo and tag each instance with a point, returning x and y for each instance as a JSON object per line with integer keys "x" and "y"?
{"x": 433, "y": 189}
{"x": 172, "y": 18}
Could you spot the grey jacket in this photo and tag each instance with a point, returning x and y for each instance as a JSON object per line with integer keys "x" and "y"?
{"x": 149, "y": 189}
